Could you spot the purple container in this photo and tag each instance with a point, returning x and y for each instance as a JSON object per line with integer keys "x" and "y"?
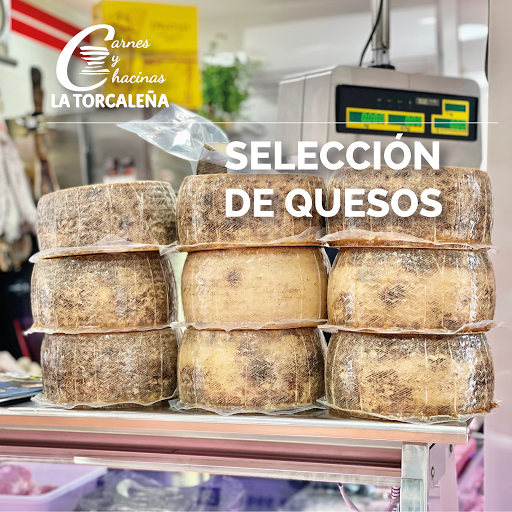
{"x": 72, "y": 481}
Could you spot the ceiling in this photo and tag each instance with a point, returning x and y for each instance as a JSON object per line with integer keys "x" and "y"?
{"x": 244, "y": 13}
{"x": 263, "y": 27}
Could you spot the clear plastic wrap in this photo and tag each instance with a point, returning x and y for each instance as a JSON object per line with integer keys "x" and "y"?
{"x": 103, "y": 293}
{"x": 465, "y": 221}
{"x": 125, "y": 216}
{"x": 255, "y": 288}
{"x": 108, "y": 245}
{"x": 98, "y": 370}
{"x": 411, "y": 290}
{"x": 265, "y": 371}
{"x": 202, "y": 221}
{"x": 211, "y": 161}
{"x": 178, "y": 131}
{"x": 410, "y": 378}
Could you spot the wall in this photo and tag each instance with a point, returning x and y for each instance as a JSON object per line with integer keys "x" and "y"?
{"x": 498, "y": 426}
{"x": 15, "y": 84}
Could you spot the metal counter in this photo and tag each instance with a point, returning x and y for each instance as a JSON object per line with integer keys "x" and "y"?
{"x": 309, "y": 446}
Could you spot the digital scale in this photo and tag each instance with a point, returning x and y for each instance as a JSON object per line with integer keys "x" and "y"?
{"x": 413, "y": 113}
{"x": 349, "y": 104}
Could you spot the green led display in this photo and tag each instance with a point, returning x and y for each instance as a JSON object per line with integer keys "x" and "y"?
{"x": 453, "y": 107}
{"x": 366, "y": 117}
{"x": 450, "y": 123}
{"x": 405, "y": 120}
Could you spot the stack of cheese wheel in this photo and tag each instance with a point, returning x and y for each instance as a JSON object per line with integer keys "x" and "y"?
{"x": 106, "y": 308}
{"x": 254, "y": 289}
{"x": 411, "y": 298}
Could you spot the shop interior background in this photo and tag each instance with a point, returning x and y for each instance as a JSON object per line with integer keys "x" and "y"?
{"x": 284, "y": 37}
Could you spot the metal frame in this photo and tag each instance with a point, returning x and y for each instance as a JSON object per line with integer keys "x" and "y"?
{"x": 309, "y": 446}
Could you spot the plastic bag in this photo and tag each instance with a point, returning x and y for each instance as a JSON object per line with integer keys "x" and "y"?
{"x": 255, "y": 288}
{"x": 177, "y": 131}
{"x": 99, "y": 370}
{"x": 410, "y": 378}
{"x": 265, "y": 371}
{"x": 130, "y": 490}
{"x": 203, "y": 224}
{"x": 211, "y": 161}
{"x": 118, "y": 217}
{"x": 465, "y": 221}
{"x": 411, "y": 290}
{"x": 103, "y": 293}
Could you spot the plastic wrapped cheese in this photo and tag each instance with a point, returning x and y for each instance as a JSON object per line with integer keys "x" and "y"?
{"x": 202, "y": 221}
{"x": 103, "y": 292}
{"x": 211, "y": 161}
{"x": 255, "y": 288}
{"x": 104, "y": 369}
{"x": 418, "y": 377}
{"x": 265, "y": 371}
{"x": 120, "y": 216}
{"x": 394, "y": 290}
{"x": 465, "y": 195}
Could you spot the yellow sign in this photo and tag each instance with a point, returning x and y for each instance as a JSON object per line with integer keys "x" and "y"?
{"x": 454, "y": 120}
{"x": 155, "y": 41}
{"x": 385, "y": 120}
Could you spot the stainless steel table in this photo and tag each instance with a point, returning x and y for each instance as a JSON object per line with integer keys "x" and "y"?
{"x": 308, "y": 446}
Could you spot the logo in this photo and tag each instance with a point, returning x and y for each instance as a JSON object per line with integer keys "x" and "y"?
{"x": 98, "y": 60}
{"x": 94, "y": 56}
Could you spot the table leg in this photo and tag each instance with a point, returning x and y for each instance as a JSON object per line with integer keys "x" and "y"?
{"x": 414, "y": 489}
{"x": 442, "y": 492}
{"x": 429, "y": 479}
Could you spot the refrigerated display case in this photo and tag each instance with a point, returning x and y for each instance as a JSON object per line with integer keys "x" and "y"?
{"x": 317, "y": 446}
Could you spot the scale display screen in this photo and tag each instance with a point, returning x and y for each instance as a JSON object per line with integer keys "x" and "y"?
{"x": 430, "y": 115}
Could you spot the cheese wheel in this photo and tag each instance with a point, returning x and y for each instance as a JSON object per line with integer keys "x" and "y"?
{"x": 255, "y": 288}
{"x": 202, "y": 221}
{"x": 103, "y": 292}
{"x": 103, "y": 369}
{"x": 379, "y": 289}
{"x": 141, "y": 212}
{"x": 465, "y": 196}
{"x": 263, "y": 370}
{"x": 212, "y": 161}
{"x": 421, "y": 377}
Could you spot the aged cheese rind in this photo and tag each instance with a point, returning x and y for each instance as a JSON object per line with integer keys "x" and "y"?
{"x": 410, "y": 377}
{"x": 264, "y": 370}
{"x": 101, "y": 369}
{"x": 411, "y": 289}
{"x": 142, "y": 212}
{"x": 103, "y": 292}
{"x": 202, "y": 221}
{"x": 466, "y": 217}
{"x": 270, "y": 288}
